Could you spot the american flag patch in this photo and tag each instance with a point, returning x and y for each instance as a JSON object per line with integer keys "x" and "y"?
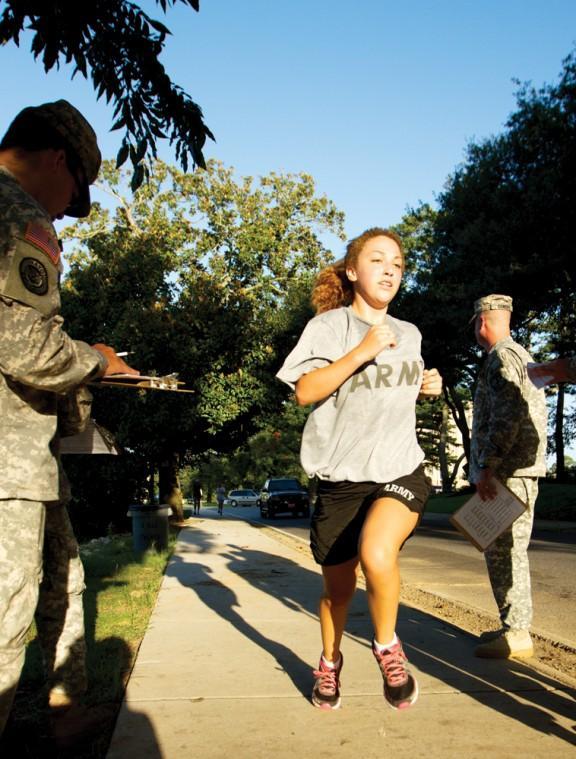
{"x": 40, "y": 237}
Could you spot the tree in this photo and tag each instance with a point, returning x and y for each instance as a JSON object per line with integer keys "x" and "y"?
{"x": 417, "y": 230}
{"x": 117, "y": 45}
{"x": 503, "y": 224}
{"x": 505, "y": 217}
{"x": 272, "y": 451}
{"x": 426, "y": 301}
{"x": 204, "y": 275}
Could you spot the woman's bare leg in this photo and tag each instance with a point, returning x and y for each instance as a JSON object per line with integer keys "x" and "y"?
{"x": 388, "y": 523}
{"x": 339, "y": 586}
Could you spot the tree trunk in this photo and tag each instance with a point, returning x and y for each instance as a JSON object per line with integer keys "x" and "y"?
{"x": 169, "y": 484}
{"x": 454, "y": 473}
{"x": 559, "y": 435}
{"x": 458, "y": 410}
{"x": 443, "y": 452}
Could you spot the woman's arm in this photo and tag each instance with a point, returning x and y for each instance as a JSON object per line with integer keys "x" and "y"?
{"x": 431, "y": 386}
{"x": 321, "y": 383}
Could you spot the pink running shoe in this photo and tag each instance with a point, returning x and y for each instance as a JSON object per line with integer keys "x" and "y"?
{"x": 326, "y": 691}
{"x": 400, "y": 687}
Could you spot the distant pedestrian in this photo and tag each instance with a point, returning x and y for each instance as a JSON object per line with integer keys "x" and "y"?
{"x": 196, "y": 496}
{"x": 362, "y": 370}
{"x": 508, "y": 443}
{"x": 220, "y": 496}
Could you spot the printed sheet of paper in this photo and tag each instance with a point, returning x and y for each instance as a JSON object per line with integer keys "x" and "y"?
{"x": 483, "y": 521}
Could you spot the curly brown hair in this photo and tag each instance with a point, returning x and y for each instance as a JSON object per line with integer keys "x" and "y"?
{"x": 332, "y": 288}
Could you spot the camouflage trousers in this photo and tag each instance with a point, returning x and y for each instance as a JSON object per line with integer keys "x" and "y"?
{"x": 507, "y": 561}
{"x": 42, "y": 577}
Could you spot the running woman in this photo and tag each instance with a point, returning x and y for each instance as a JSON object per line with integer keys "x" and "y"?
{"x": 362, "y": 370}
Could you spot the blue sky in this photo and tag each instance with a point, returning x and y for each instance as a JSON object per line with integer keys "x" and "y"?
{"x": 377, "y": 100}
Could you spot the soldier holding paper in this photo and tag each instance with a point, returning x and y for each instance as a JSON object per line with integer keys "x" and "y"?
{"x": 508, "y": 443}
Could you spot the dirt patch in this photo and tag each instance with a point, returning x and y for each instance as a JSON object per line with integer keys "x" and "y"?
{"x": 548, "y": 654}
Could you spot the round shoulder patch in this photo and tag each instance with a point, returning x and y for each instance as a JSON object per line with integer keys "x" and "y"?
{"x": 34, "y": 276}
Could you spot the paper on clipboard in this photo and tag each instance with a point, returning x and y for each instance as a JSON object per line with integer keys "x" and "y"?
{"x": 142, "y": 382}
{"x": 483, "y": 521}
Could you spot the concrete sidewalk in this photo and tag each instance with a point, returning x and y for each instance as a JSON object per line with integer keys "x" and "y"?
{"x": 224, "y": 671}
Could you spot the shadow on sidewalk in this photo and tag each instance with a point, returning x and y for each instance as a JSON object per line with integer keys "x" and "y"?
{"x": 509, "y": 687}
{"x": 224, "y": 602}
{"x": 433, "y": 646}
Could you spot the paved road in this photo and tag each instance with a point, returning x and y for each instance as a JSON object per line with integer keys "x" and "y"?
{"x": 440, "y": 560}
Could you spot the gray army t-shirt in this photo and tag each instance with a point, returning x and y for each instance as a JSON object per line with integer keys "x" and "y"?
{"x": 366, "y": 430}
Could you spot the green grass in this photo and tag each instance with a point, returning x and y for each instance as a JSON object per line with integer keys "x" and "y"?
{"x": 121, "y": 591}
{"x": 556, "y": 501}
{"x": 446, "y": 503}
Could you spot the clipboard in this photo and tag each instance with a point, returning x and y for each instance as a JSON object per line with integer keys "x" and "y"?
{"x": 482, "y": 522}
{"x": 168, "y": 382}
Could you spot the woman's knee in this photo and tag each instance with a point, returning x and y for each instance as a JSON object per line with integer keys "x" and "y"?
{"x": 340, "y": 582}
{"x": 379, "y": 560}
{"x": 338, "y": 596}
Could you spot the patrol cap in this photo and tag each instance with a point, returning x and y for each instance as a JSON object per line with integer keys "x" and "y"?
{"x": 81, "y": 143}
{"x": 492, "y": 303}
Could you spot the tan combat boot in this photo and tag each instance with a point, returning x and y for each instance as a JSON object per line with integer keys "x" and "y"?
{"x": 511, "y": 644}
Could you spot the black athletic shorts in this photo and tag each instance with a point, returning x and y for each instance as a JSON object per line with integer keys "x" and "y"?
{"x": 341, "y": 509}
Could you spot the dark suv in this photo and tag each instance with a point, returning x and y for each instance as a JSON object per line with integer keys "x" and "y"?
{"x": 284, "y": 495}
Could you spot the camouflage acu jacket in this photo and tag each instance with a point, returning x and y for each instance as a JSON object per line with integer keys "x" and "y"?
{"x": 39, "y": 363}
{"x": 510, "y": 416}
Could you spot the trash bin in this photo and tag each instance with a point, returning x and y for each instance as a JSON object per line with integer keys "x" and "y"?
{"x": 149, "y": 526}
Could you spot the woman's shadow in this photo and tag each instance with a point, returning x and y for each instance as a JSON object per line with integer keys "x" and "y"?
{"x": 224, "y": 601}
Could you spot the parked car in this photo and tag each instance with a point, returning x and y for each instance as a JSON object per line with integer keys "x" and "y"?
{"x": 284, "y": 495}
{"x": 242, "y": 498}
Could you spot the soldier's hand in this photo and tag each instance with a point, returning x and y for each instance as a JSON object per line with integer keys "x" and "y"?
{"x": 486, "y": 485}
{"x": 549, "y": 373}
{"x": 116, "y": 365}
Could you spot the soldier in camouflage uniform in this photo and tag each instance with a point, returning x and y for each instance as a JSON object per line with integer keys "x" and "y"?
{"x": 48, "y": 158}
{"x": 509, "y": 443}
